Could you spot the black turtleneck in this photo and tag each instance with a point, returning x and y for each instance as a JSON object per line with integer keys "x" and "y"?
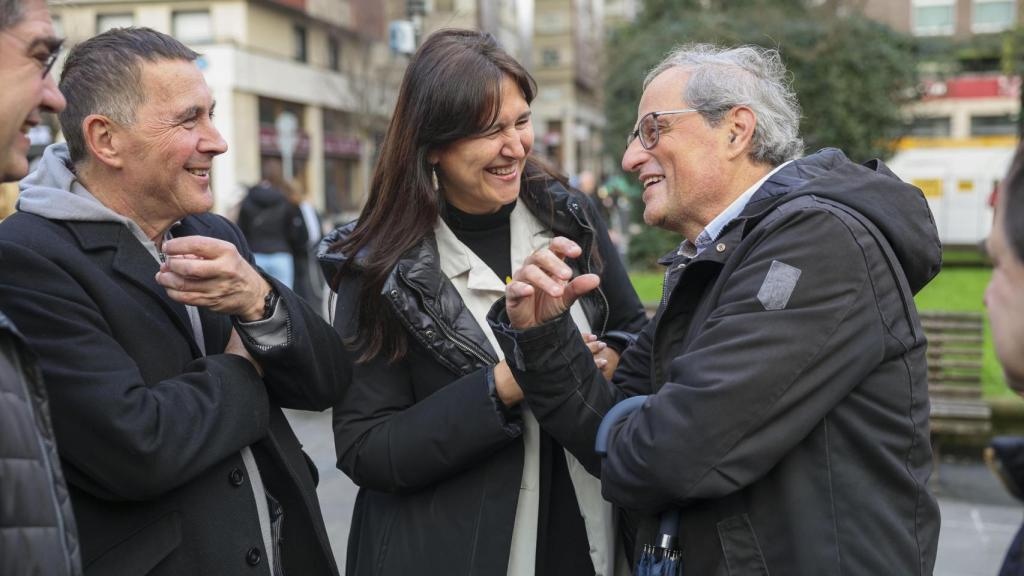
{"x": 487, "y": 235}
{"x": 562, "y": 546}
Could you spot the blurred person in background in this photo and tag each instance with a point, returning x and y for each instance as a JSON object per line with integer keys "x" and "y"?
{"x": 309, "y": 280}
{"x": 455, "y": 475}
{"x": 37, "y": 526}
{"x": 1004, "y": 299}
{"x": 272, "y": 225}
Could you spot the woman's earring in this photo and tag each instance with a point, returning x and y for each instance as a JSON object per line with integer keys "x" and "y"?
{"x": 433, "y": 177}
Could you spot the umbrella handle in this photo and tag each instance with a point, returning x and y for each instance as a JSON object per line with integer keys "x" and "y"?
{"x": 668, "y": 528}
{"x": 618, "y": 412}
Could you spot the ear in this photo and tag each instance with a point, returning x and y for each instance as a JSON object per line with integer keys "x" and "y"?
{"x": 740, "y": 123}
{"x": 102, "y": 140}
{"x": 433, "y": 158}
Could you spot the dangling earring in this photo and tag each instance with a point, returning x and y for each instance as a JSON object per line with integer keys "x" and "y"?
{"x": 433, "y": 177}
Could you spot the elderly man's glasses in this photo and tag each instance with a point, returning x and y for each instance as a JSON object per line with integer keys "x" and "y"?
{"x": 649, "y": 130}
{"x": 44, "y": 50}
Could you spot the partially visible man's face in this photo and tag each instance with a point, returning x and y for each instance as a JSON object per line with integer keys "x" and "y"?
{"x": 683, "y": 173}
{"x": 172, "y": 143}
{"x": 1004, "y": 298}
{"x": 24, "y": 50}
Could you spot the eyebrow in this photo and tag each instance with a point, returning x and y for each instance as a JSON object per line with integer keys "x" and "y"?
{"x": 193, "y": 111}
{"x": 52, "y": 43}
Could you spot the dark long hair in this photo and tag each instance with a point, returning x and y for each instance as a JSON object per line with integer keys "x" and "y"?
{"x": 451, "y": 90}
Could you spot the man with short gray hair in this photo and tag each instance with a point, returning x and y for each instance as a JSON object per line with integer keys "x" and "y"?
{"x": 37, "y": 526}
{"x": 787, "y": 408}
{"x": 166, "y": 354}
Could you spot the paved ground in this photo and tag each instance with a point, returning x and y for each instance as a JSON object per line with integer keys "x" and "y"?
{"x": 978, "y": 518}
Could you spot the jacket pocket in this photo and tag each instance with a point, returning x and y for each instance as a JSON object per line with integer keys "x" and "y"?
{"x": 142, "y": 551}
{"x": 740, "y": 549}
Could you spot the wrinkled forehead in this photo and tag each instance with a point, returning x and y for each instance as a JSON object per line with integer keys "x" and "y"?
{"x": 170, "y": 82}
{"x": 665, "y": 92}
{"x": 35, "y": 22}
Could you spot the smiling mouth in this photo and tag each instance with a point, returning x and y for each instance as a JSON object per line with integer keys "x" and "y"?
{"x": 506, "y": 171}
{"x": 652, "y": 180}
{"x": 201, "y": 172}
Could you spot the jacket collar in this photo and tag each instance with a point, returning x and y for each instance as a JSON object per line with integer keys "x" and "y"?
{"x": 133, "y": 262}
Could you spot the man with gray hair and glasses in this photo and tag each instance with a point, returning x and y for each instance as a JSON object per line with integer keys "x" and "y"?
{"x": 37, "y": 526}
{"x": 787, "y": 407}
{"x": 166, "y": 354}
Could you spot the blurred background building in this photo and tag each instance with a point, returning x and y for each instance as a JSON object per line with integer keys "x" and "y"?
{"x": 313, "y": 82}
{"x": 960, "y": 135}
{"x": 307, "y": 80}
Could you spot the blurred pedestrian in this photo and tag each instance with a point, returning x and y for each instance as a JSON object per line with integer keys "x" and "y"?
{"x": 788, "y": 408}
{"x": 309, "y": 280}
{"x": 272, "y": 225}
{"x": 455, "y": 475}
{"x": 37, "y": 526}
{"x": 1004, "y": 298}
{"x": 177, "y": 455}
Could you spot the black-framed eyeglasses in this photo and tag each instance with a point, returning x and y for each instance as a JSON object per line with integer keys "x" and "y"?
{"x": 50, "y": 60}
{"x": 648, "y": 129}
{"x": 52, "y": 46}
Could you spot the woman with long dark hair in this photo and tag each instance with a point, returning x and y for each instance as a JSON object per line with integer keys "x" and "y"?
{"x": 455, "y": 475}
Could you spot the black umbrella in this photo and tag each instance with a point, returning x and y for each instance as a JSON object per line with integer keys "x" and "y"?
{"x": 662, "y": 558}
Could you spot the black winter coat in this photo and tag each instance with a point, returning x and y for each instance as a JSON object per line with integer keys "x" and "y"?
{"x": 437, "y": 456}
{"x": 789, "y": 408}
{"x": 149, "y": 430}
{"x": 37, "y": 527}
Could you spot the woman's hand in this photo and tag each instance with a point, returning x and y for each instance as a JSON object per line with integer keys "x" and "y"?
{"x": 605, "y": 357}
{"x": 505, "y": 385}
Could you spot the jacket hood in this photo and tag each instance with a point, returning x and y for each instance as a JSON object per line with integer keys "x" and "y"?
{"x": 898, "y": 209}
{"x": 54, "y": 192}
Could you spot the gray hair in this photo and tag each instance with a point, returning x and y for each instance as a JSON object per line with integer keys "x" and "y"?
{"x": 103, "y": 75}
{"x": 11, "y": 13}
{"x": 722, "y": 78}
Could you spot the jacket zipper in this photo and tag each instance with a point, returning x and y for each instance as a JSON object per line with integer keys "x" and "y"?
{"x": 453, "y": 337}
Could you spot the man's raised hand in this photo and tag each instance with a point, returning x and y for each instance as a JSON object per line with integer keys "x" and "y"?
{"x": 544, "y": 287}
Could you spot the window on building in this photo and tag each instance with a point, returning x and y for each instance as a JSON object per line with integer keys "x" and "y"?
{"x": 934, "y": 17}
{"x": 106, "y": 22}
{"x": 1000, "y": 125}
{"x": 299, "y": 39}
{"x": 193, "y": 27}
{"x": 929, "y": 127}
{"x": 333, "y": 53}
{"x": 549, "y": 58}
{"x": 992, "y": 15}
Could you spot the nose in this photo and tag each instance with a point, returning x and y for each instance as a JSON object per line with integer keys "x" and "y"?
{"x": 52, "y": 100}
{"x": 634, "y": 156}
{"x": 514, "y": 146}
{"x": 212, "y": 142}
